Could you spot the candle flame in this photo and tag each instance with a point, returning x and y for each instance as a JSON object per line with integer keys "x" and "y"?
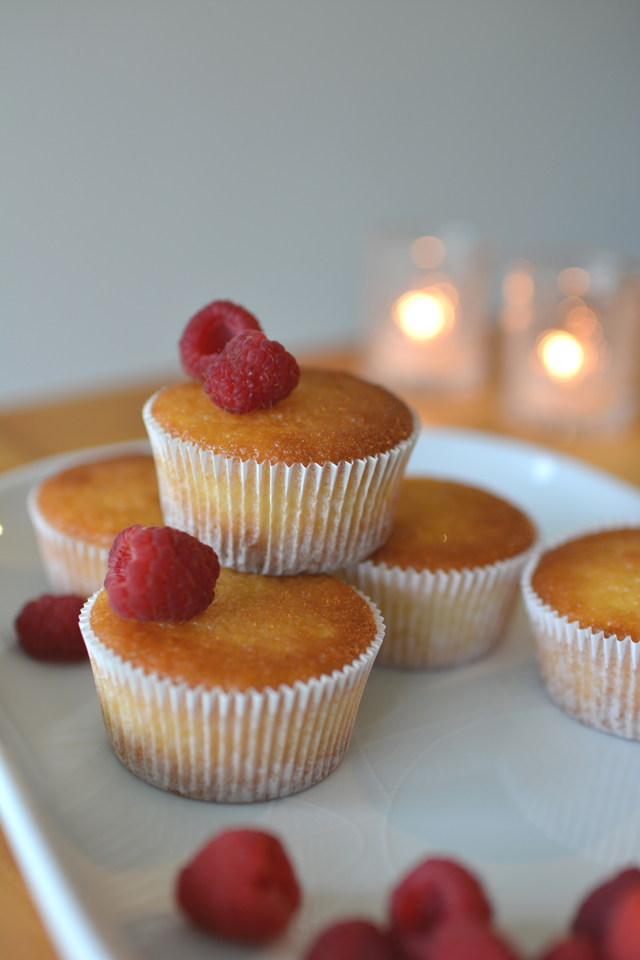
{"x": 562, "y": 354}
{"x": 425, "y": 314}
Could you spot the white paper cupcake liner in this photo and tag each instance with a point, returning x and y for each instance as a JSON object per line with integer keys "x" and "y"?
{"x": 227, "y": 747}
{"x": 275, "y": 519}
{"x": 73, "y": 565}
{"x": 593, "y": 676}
{"x": 439, "y": 619}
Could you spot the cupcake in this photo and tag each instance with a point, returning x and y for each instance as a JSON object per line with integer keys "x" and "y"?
{"x": 77, "y": 512}
{"x": 252, "y": 698}
{"x": 307, "y": 484}
{"x": 582, "y": 600}
{"x": 446, "y": 578}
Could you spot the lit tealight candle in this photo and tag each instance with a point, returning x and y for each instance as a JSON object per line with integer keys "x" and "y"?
{"x": 569, "y": 343}
{"x": 427, "y": 310}
{"x": 561, "y": 354}
{"x": 426, "y": 314}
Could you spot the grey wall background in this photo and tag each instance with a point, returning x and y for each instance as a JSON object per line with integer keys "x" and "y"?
{"x": 157, "y": 154}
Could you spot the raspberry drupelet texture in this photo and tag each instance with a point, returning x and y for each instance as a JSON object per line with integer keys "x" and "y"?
{"x": 207, "y": 333}
{"x": 240, "y": 886}
{"x": 251, "y": 372}
{"x": 159, "y": 573}
{"x": 48, "y": 628}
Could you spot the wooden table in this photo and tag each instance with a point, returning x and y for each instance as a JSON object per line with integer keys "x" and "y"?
{"x": 40, "y": 430}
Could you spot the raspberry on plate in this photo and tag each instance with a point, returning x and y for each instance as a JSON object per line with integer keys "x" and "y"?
{"x": 251, "y": 372}
{"x": 462, "y": 938}
{"x": 48, "y": 628}
{"x": 207, "y": 333}
{"x": 159, "y": 573}
{"x": 435, "y": 891}
{"x": 594, "y": 911}
{"x": 621, "y": 936}
{"x": 240, "y": 886}
{"x": 575, "y": 947}
{"x": 353, "y": 940}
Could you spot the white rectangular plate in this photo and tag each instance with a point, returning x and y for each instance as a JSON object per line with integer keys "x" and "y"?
{"x": 474, "y": 763}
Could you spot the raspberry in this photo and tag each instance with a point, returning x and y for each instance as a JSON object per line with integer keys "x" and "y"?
{"x": 207, "y": 333}
{"x": 353, "y": 940}
{"x": 435, "y": 891}
{"x": 620, "y": 938}
{"x": 48, "y": 628}
{"x": 593, "y": 913}
{"x": 251, "y": 372}
{"x": 462, "y": 938}
{"x": 158, "y": 573}
{"x": 575, "y": 947}
{"x": 240, "y": 886}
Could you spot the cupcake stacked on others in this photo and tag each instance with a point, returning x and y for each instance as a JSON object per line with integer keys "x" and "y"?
{"x": 287, "y": 475}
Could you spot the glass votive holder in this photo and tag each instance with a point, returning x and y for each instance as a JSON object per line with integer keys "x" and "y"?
{"x": 570, "y": 323}
{"x": 426, "y": 307}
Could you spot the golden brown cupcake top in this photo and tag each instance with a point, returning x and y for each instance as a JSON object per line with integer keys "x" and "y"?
{"x": 329, "y": 417}
{"x": 258, "y": 632}
{"x": 442, "y": 525}
{"x": 94, "y": 501}
{"x": 595, "y": 580}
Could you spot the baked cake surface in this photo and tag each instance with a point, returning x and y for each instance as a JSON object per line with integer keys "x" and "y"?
{"x": 328, "y": 418}
{"x": 595, "y": 580}
{"x": 443, "y": 525}
{"x": 94, "y": 501}
{"x": 258, "y": 632}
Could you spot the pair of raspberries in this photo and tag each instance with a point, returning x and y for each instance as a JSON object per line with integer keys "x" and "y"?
{"x": 224, "y": 346}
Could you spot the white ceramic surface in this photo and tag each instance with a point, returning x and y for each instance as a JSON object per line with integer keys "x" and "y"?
{"x": 474, "y": 762}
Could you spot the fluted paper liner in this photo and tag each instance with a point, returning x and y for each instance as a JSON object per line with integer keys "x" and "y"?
{"x": 228, "y": 747}
{"x": 74, "y": 565}
{"x": 593, "y": 676}
{"x": 71, "y": 565}
{"x": 441, "y": 618}
{"x": 275, "y": 519}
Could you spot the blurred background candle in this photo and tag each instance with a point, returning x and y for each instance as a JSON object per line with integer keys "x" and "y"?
{"x": 570, "y": 323}
{"x": 425, "y": 307}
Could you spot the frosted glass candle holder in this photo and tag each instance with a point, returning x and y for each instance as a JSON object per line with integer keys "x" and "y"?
{"x": 425, "y": 307}
{"x": 570, "y": 323}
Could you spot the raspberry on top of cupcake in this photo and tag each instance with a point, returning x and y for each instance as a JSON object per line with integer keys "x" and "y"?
{"x": 220, "y": 685}
{"x": 157, "y": 610}
{"x": 224, "y": 346}
{"x": 329, "y": 416}
{"x": 287, "y": 470}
